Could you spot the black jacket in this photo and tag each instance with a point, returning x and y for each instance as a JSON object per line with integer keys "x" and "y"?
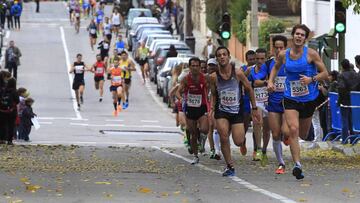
{"x": 347, "y": 81}
{"x": 26, "y": 117}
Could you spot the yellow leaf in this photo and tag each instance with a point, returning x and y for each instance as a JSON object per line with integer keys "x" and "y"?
{"x": 144, "y": 190}
{"x": 24, "y": 180}
{"x": 108, "y": 195}
{"x": 345, "y": 190}
{"x": 27, "y": 183}
{"x": 305, "y": 185}
{"x": 164, "y": 194}
{"x": 102, "y": 183}
{"x": 17, "y": 201}
{"x": 32, "y": 188}
{"x": 59, "y": 194}
{"x": 185, "y": 200}
{"x": 302, "y": 200}
{"x": 177, "y": 192}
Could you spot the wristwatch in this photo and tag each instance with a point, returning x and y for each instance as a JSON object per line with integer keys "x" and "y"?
{"x": 314, "y": 79}
{"x": 254, "y": 108}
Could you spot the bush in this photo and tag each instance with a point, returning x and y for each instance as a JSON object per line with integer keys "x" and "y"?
{"x": 268, "y": 27}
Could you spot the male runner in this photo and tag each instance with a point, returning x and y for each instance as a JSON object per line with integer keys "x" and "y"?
{"x": 303, "y": 69}
{"x": 127, "y": 66}
{"x": 195, "y": 96}
{"x": 79, "y": 68}
{"x": 116, "y": 87}
{"x": 226, "y": 101}
{"x": 99, "y": 69}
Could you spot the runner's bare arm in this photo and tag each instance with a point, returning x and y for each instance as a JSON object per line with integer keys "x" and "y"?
{"x": 132, "y": 66}
{"x": 322, "y": 72}
{"x": 181, "y": 89}
{"x": 212, "y": 83}
{"x": 173, "y": 90}
{"x": 260, "y": 83}
{"x": 278, "y": 63}
{"x": 241, "y": 76}
{"x": 72, "y": 69}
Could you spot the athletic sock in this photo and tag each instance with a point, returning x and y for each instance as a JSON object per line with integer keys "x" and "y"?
{"x": 278, "y": 151}
{"x": 216, "y": 139}
{"x": 119, "y": 101}
{"x": 115, "y": 106}
{"x": 298, "y": 164}
{"x": 127, "y": 100}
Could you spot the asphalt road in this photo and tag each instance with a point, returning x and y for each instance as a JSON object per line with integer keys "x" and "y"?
{"x": 137, "y": 156}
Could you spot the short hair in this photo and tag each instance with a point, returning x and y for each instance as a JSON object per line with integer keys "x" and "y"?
{"x": 77, "y": 55}
{"x": 345, "y": 64}
{"x": 222, "y": 47}
{"x": 202, "y": 61}
{"x": 248, "y": 53}
{"x": 303, "y": 27}
{"x": 357, "y": 59}
{"x": 211, "y": 56}
{"x": 261, "y": 50}
{"x": 334, "y": 74}
{"x": 194, "y": 59}
{"x": 123, "y": 52}
{"x": 279, "y": 38}
{"x": 21, "y": 90}
{"x": 29, "y": 100}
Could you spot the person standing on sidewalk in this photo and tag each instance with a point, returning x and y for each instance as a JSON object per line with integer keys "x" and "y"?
{"x": 347, "y": 82}
{"x": 208, "y": 49}
{"x": 9, "y": 16}
{"x": 37, "y": 6}
{"x": 16, "y": 10}
{"x": 12, "y": 58}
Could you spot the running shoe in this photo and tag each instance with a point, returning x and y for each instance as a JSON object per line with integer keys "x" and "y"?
{"x": 81, "y": 99}
{"x": 195, "y": 160}
{"x": 280, "y": 169}
{"x": 124, "y": 106}
{"x": 78, "y": 108}
{"x": 100, "y": 99}
{"x": 243, "y": 149}
{"x": 212, "y": 154}
{"x": 217, "y": 157}
{"x": 115, "y": 113}
{"x": 229, "y": 172}
{"x": 264, "y": 160}
{"x": 119, "y": 108}
{"x": 297, "y": 172}
{"x": 255, "y": 158}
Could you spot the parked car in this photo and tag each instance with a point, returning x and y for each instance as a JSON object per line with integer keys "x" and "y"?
{"x": 140, "y": 20}
{"x": 135, "y": 12}
{"x": 153, "y": 37}
{"x": 134, "y": 28}
{"x": 146, "y": 27}
{"x": 165, "y": 71}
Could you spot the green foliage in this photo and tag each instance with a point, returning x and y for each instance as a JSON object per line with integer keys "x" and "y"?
{"x": 356, "y": 3}
{"x": 213, "y": 14}
{"x": 268, "y": 27}
{"x": 238, "y": 11}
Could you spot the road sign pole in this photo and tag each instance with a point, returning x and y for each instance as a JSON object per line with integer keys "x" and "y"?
{"x": 341, "y": 48}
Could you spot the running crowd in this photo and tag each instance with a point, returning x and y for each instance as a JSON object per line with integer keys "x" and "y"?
{"x": 215, "y": 99}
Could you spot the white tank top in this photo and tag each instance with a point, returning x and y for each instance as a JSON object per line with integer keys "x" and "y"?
{"x": 116, "y": 19}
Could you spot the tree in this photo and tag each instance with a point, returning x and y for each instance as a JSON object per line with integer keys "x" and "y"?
{"x": 266, "y": 28}
{"x": 214, "y": 11}
{"x": 294, "y": 5}
{"x": 356, "y": 3}
{"x": 238, "y": 11}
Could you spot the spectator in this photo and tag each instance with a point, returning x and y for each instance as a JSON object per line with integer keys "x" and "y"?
{"x": 357, "y": 61}
{"x": 37, "y": 6}
{"x": 23, "y": 94}
{"x": 172, "y": 52}
{"x": 2, "y": 14}
{"x": 208, "y": 49}
{"x": 8, "y": 111}
{"x": 16, "y": 11}
{"x": 12, "y": 58}
{"x": 25, "y": 123}
{"x": 348, "y": 81}
{"x": 333, "y": 77}
{"x": 9, "y": 15}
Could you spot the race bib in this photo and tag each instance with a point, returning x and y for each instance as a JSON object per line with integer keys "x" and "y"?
{"x": 99, "y": 70}
{"x": 194, "y": 100}
{"x": 93, "y": 31}
{"x": 297, "y": 89}
{"x": 77, "y": 14}
{"x": 124, "y": 68}
{"x": 106, "y": 46}
{"x": 116, "y": 79}
{"x": 79, "y": 69}
{"x": 228, "y": 98}
{"x": 280, "y": 83}
{"x": 261, "y": 94}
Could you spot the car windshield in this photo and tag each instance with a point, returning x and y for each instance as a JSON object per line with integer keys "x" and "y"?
{"x": 135, "y": 13}
{"x": 151, "y": 39}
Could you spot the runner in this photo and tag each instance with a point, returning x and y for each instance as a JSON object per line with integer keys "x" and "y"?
{"x": 251, "y": 60}
{"x": 86, "y": 8}
{"x": 261, "y": 129}
{"x": 77, "y": 14}
{"x": 226, "y": 98}
{"x": 115, "y": 19}
{"x": 79, "y": 68}
{"x": 120, "y": 44}
{"x": 71, "y": 7}
{"x": 116, "y": 87}
{"x": 111, "y": 61}
{"x": 99, "y": 68}
{"x": 104, "y": 47}
{"x": 99, "y": 18}
{"x": 107, "y": 29}
{"x": 92, "y": 33}
{"x": 93, "y": 7}
{"x": 213, "y": 135}
{"x": 303, "y": 69}
{"x": 275, "y": 108}
{"x": 142, "y": 54}
{"x": 195, "y": 97}
{"x": 127, "y": 66}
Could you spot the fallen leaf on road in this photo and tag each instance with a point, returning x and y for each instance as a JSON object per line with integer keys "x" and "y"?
{"x": 7, "y": 197}
{"x": 32, "y": 188}
{"x": 305, "y": 185}
{"x": 59, "y": 195}
{"x": 302, "y": 200}
{"x": 185, "y": 201}
{"x": 345, "y": 190}
{"x": 177, "y": 192}
{"x": 108, "y": 195}
{"x": 102, "y": 183}
{"x": 326, "y": 184}
{"x": 24, "y": 180}
{"x": 145, "y": 190}
{"x": 164, "y": 194}
{"x": 17, "y": 201}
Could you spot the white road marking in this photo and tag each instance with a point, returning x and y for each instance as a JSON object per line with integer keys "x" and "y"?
{"x": 149, "y": 121}
{"x": 44, "y": 142}
{"x": 45, "y": 123}
{"x": 80, "y": 124}
{"x": 234, "y": 178}
{"x": 151, "y": 126}
{"x": 62, "y": 118}
{"x": 78, "y": 115}
{"x": 114, "y": 120}
{"x": 7, "y": 35}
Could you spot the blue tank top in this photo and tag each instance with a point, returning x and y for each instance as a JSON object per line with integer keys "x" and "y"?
{"x": 120, "y": 46}
{"x": 293, "y": 68}
{"x": 265, "y": 70}
{"x": 228, "y": 94}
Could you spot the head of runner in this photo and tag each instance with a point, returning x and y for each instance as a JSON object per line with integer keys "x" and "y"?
{"x": 300, "y": 33}
{"x": 194, "y": 64}
{"x": 223, "y": 56}
{"x": 78, "y": 57}
{"x": 124, "y": 55}
{"x": 279, "y": 44}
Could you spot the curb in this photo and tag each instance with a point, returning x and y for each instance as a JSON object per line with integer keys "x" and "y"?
{"x": 347, "y": 150}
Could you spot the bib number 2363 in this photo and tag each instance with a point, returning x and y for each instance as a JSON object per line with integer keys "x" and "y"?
{"x": 298, "y": 89}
